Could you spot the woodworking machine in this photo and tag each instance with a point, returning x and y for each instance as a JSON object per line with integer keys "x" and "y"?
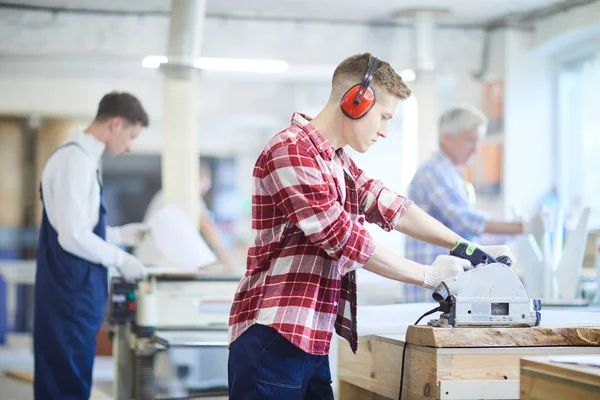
{"x": 488, "y": 295}
{"x": 164, "y": 312}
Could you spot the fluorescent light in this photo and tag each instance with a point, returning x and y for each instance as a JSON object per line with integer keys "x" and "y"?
{"x": 408, "y": 75}
{"x": 225, "y": 64}
{"x": 154, "y": 61}
{"x": 241, "y": 65}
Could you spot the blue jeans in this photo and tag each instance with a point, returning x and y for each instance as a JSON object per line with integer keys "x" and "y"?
{"x": 265, "y": 365}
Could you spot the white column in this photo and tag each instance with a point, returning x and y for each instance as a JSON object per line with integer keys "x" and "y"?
{"x": 180, "y": 162}
{"x": 424, "y": 88}
{"x": 425, "y": 91}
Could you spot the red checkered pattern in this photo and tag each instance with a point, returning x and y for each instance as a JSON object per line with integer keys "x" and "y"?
{"x": 309, "y": 239}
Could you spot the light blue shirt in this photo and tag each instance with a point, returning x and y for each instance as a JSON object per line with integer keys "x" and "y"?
{"x": 438, "y": 187}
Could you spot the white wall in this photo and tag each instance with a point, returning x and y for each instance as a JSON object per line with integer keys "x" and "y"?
{"x": 532, "y": 164}
{"x": 529, "y": 125}
{"x": 560, "y": 26}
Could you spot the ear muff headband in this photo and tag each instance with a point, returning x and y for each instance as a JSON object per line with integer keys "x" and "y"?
{"x": 360, "y": 98}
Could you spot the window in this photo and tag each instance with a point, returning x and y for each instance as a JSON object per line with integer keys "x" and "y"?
{"x": 579, "y": 136}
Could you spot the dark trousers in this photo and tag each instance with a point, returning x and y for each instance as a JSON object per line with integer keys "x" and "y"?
{"x": 265, "y": 365}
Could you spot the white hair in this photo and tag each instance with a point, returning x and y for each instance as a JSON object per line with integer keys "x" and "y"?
{"x": 460, "y": 118}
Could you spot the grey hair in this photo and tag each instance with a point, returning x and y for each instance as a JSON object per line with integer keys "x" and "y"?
{"x": 460, "y": 118}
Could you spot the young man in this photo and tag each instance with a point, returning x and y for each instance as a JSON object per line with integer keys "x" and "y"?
{"x": 75, "y": 248}
{"x": 438, "y": 188}
{"x": 308, "y": 206}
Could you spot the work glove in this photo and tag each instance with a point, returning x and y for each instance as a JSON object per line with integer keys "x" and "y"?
{"x": 443, "y": 267}
{"x": 133, "y": 234}
{"x": 131, "y": 268}
{"x": 499, "y": 251}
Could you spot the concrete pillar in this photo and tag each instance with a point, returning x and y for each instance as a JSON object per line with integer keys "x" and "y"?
{"x": 11, "y": 213}
{"x": 424, "y": 89}
{"x": 180, "y": 159}
{"x": 51, "y": 134}
{"x": 11, "y": 174}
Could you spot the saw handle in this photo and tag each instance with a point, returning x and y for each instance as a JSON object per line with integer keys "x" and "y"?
{"x": 504, "y": 260}
{"x": 475, "y": 255}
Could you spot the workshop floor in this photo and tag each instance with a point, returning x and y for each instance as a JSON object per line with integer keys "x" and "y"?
{"x": 16, "y": 356}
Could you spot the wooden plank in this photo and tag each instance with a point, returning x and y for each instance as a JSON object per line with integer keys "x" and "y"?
{"x": 420, "y": 377}
{"x": 488, "y": 390}
{"x": 347, "y": 391}
{"x": 502, "y": 337}
{"x": 542, "y": 379}
{"x": 23, "y": 376}
{"x": 493, "y": 363}
{"x": 376, "y": 367}
{"x": 377, "y": 364}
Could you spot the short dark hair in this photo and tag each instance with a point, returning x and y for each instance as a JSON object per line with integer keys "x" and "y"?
{"x": 124, "y": 105}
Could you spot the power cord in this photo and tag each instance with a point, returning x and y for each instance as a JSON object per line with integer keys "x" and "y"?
{"x": 439, "y": 308}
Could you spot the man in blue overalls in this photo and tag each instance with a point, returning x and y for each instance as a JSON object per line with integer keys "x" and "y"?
{"x": 76, "y": 247}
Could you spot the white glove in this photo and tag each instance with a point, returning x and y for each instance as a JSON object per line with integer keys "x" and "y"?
{"x": 443, "y": 267}
{"x": 133, "y": 234}
{"x": 498, "y": 251}
{"x": 131, "y": 268}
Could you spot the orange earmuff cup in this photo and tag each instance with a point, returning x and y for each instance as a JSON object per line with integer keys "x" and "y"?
{"x": 353, "y": 110}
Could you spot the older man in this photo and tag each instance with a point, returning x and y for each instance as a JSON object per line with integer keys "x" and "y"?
{"x": 439, "y": 188}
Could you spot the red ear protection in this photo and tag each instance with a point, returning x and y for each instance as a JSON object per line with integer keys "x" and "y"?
{"x": 360, "y": 98}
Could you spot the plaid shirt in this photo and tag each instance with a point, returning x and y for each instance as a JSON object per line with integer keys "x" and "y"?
{"x": 309, "y": 239}
{"x": 438, "y": 187}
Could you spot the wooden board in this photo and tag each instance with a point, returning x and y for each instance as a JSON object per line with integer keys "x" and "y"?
{"x": 23, "y": 376}
{"x": 545, "y": 380}
{"x": 376, "y": 367}
{"x": 502, "y": 337}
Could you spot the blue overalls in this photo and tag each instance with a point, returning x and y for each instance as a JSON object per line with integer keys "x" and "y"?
{"x": 70, "y": 298}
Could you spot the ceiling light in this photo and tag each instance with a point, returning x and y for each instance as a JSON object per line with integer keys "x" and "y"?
{"x": 154, "y": 61}
{"x": 225, "y": 64}
{"x": 240, "y": 65}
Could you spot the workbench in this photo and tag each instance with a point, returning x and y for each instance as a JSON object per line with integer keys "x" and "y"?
{"x": 453, "y": 363}
{"x": 547, "y": 378}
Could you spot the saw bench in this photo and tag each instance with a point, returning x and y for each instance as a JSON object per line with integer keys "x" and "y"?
{"x": 453, "y": 363}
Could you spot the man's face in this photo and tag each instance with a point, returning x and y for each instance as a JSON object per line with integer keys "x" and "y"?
{"x": 121, "y": 135}
{"x": 460, "y": 148}
{"x": 362, "y": 133}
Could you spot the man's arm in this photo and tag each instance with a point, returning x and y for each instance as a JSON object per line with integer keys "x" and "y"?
{"x": 113, "y": 235}
{"x": 66, "y": 203}
{"x": 504, "y": 228}
{"x": 210, "y": 232}
{"x": 417, "y": 224}
{"x": 292, "y": 177}
{"x": 390, "y": 265}
{"x": 380, "y": 205}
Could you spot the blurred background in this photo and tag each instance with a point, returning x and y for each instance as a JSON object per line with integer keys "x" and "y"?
{"x": 532, "y": 66}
